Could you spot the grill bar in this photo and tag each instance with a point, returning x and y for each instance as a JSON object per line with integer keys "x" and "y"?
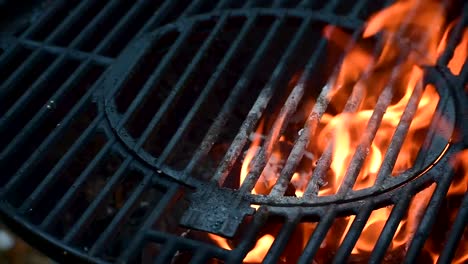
{"x": 70, "y": 52}
{"x": 97, "y": 203}
{"x": 456, "y": 233}
{"x": 35, "y": 157}
{"x": 192, "y": 8}
{"x": 118, "y": 29}
{"x": 172, "y": 242}
{"x": 181, "y": 84}
{"x": 208, "y": 88}
{"x": 158, "y": 17}
{"x": 241, "y": 85}
{"x": 311, "y": 124}
{"x": 249, "y": 239}
{"x": 361, "y": 152}
{"x": 373, "y": 124}
{"x": 94, "y": 23}
{"x": 429, "y": 218}
{"x": 454, "y": 39}
{"x": 72, "y": 191}
{"x": 150, "y": 220}
{"x": 32, "y": 29}
{"x": 289, "y": 107}
{"x": 317, "y": 236}
{"x": 124, "y": 212}
{"x": 252, "y": 118}
{"x": 35, "y": 57}
{"x": 37, "y": 87}
{"x": 43, "y": 113}
{"x": 51, "y": 177}
{"x": 352, "y": 236}
{"x": 351, "y": 106}
{"x": 390, "y": 228}
{"x": 154, "y": 78}
{"x": 222, "y": 4}
{"x": 400, "y": 134}
{"x": 282, "y": 239}
{"x": 167, "y": 252}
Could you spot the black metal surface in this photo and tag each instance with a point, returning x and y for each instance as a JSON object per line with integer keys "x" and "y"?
{"x": 110, "y": 112}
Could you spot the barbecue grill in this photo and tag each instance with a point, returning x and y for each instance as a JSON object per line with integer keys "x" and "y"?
{"x": 124, "y": 126}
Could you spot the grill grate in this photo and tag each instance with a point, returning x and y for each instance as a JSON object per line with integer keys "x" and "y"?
{"x": 111, "y": 114}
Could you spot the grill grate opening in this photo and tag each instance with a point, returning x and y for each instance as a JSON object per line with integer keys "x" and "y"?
{"x": 128, "y": 92}
{"x": 103, "y": 215}
{"x": 112, "y": 17}
{"x": 29, "y": 139}
{"x": 92, "y": 9}
{"x": 9, "y": 65}
{"x": 57, "y": 186}
{"x": 51, "y": 21}
{"x": 227, "y": 78}
{"x": 186, "y": 91}
{"x": 36, "y": 97}
{"x": 123, "y": 235}
{"x": 314, "y": 4}
{"x": 49, "y": 156}
{"x": 23, "y": 78}
{"x": 195, "y": 95}
{"x": 131, "y": 27}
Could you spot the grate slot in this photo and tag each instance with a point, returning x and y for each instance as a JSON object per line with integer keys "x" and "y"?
{"x": 454, "y": 39}
{"x": 125, "y": 212}
{"x": 23, "y": 77}
{"x": 282, "y": 239}
{"x": 48, "y": 22}
{"x": 114, "y": 204}
{"x": 10, "y": 63}
{"x": 40, "y": 191}
{"x": 428, "y": 219}
{"x": 148, "y": 79}
{"x": 130, "y": 28}
{"x": 176, "y": 41}
{"x": 91, "y": 12}
{"x": 47, "y": 119}
{"x": 192, "y": 8}
{"x": 318, "y": 236}
{"x": 390, "y": 228}
{"x": 243, "y": 82}
{"x": 353, "y": 234}
{"x": 107, "y": 18}
{"x": 84, "y": 221}
{"x": 233, "y": 50}
{"x": 167, "y": 252}
{"x": 250, "y": 236}
{"x": 156, "y": 213}
{"x": 456, "y": 233}
{"x": 36, "y": 156}
{"x": 137, "y": 13}
{"x": 51, "y": 177}
{"x": 176, "y": 92}
{"x": 35, "y": 98}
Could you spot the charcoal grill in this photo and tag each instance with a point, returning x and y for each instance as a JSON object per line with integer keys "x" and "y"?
{"x": 121, "y": 123}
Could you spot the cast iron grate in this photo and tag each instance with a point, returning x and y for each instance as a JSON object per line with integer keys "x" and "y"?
{"x": 88, "y": 158}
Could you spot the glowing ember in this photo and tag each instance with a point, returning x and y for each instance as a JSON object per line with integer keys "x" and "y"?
{"x": 414, "y": 34}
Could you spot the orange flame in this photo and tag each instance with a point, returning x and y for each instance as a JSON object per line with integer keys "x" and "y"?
{"x": 414, "y": 34}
